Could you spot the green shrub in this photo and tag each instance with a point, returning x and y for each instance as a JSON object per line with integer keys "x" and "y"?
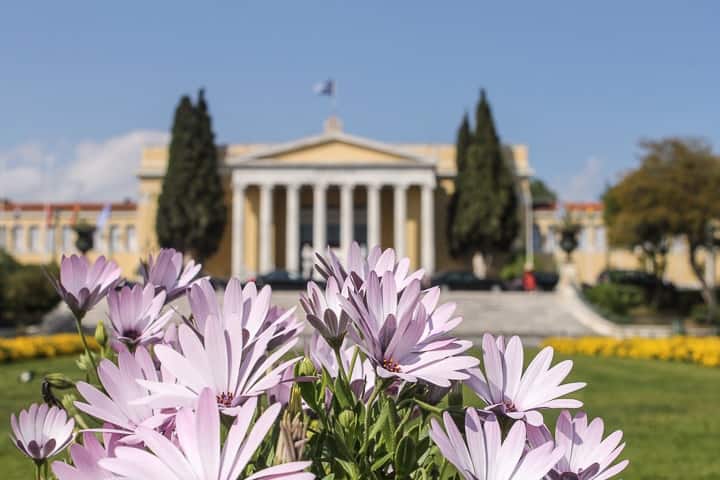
{"x": 543, "y": 262}
{"x": 699, "y": 314}
{"x": 615, "y": 298}
{"x": 26, "y": 294}
{"x": 513, "y": 269}
{"x": 8, "y": 264}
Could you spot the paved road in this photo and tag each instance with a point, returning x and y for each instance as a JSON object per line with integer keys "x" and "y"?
{"x": 530, "y": 315}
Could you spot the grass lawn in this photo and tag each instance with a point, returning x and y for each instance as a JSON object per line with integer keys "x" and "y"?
{"x": 668, "y": 411}
{"x": 15, "y": 396}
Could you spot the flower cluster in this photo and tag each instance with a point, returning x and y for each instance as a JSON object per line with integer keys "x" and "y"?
{"x": 173, "y": 397}
{"x": 219, "y": 395}
{"x": 39, "y": 346}
{"x": 700, "y": 350}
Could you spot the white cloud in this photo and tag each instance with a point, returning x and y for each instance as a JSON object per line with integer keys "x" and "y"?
{"x": 91, "y": 171}
{"x": 587, "y": 184}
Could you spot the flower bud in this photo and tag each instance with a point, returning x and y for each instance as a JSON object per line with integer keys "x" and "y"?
{"x": 347, "y": 419}
{"x": 306, "y": 368}
{"x": 101, "y": 334}
{"x": 295, "y": 403}
{"x": 84, "y": 362}
{"x": 59, "y": 381}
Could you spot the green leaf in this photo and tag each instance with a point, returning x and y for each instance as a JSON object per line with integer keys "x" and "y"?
{"x": 350, "y": 467}
{"x": 380, "y": 462}
{"x": 342, "y": 394}
{"x": 379, "y": 423}
{"x": 308, "y": 391}
{"x": 390, "y": 426}
{"x": 406, "y": 456}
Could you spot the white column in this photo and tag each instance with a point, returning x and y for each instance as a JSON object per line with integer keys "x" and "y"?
{"x": 710, "y": 266}
{"x": 319, "y": 218}
{"x": 292, "y": 228}
{"x": 527, "y": 197}
{"x": 266, "y": 213}
{"x": 373, "y": 216}
{"x": 400, "y": 211}
{"x": 427, "y": 228}
{"x": 238, "y": 233}
{"x": 346, "y": 218}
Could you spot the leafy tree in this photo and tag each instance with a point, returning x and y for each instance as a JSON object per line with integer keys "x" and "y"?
{"x": 637, "y": 217}
{"x": 191, "y": 209}
{"x": 486, "y": 217}
{"x": 690, "y": 174}
{"x": 541, "y": 194}
{"x": 674, "y": 192}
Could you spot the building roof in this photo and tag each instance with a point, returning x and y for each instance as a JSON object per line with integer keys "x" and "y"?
{"x": 583, "y": 206}
{"x": 551, "y": 207}
{"x": 439, "y": 155}
{"x": 10, "y": 206}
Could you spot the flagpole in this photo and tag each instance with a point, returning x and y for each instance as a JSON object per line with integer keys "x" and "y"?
{"x": 334, "y": 99}
{"x": 47, "y": 209}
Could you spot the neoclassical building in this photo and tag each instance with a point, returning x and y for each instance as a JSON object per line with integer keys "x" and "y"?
{"x": 332, "y": 189}
{"x": 287, "y": 200}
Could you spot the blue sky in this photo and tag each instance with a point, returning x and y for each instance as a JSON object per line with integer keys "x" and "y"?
{"x": 83, "y": 85}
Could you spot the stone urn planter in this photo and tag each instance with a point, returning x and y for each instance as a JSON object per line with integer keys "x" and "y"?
{"x": 85, "y": 232}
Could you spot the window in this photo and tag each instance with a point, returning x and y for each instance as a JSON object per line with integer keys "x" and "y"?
{"x": 332, "y": 228}
{"x": 68, "y": 236}
{"x": 549, "y": 246}
{"x": 98, "y": 243}
{"x": 677, "y": 244}
{"x": 130, "y": 239}
{"x": 17, "y": 243}
{"x": 34, "y": 238}
{"x": 360, "y": 225}
{"x": 50, "y": 240}
{"x": 114, "y": 238}
{"x": 584, "y": 242}
{"x": 538, "y": 238}
{"x": 3, "y": 238}
{"x": 600, "y": 239}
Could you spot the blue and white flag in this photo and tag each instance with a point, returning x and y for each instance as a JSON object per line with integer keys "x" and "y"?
{"x": 103, "y": 217}
{"x": 325, "y": 88}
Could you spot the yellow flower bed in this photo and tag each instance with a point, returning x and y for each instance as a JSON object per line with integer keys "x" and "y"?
{"x": 701, "y": 350}
{"x": 23, "y": 348}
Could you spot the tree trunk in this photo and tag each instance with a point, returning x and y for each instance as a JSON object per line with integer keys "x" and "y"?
{"x": 655, "y": 294}
{"x": 707, "y": 292}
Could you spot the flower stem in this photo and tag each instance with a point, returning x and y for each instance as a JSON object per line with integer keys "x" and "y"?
{"x": 38, "y": 470}
{"x": 379, "y": 387}
{"x": 341, "y": 369}
{"x": 78, "y": 324}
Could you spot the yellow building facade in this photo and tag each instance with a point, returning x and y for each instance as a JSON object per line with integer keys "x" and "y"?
{"x": 594, "y": 254}
{"x": 287, "y": 200}
{"x": 41, "y": 232}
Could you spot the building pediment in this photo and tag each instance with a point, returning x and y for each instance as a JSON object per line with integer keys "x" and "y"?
{"x": 331, "y": 148}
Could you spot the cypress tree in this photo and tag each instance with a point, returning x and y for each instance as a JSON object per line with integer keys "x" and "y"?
{"x": 485, "y": 133}
{"x": 172, "y": 221}
{"x": 464, "y": 140}
{"x": 486, "y": 216}
{"x": 191, "y": 208}
{"x": 462, "y": 143}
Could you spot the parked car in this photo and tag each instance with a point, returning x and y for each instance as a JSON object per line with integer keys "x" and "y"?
{"x": 282, "y": 280}
{"x": 546, "y": 281}
{"x": 630, "y": 277}
{"x": 463, "y": 280}
{"x": 660, "y": 293}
